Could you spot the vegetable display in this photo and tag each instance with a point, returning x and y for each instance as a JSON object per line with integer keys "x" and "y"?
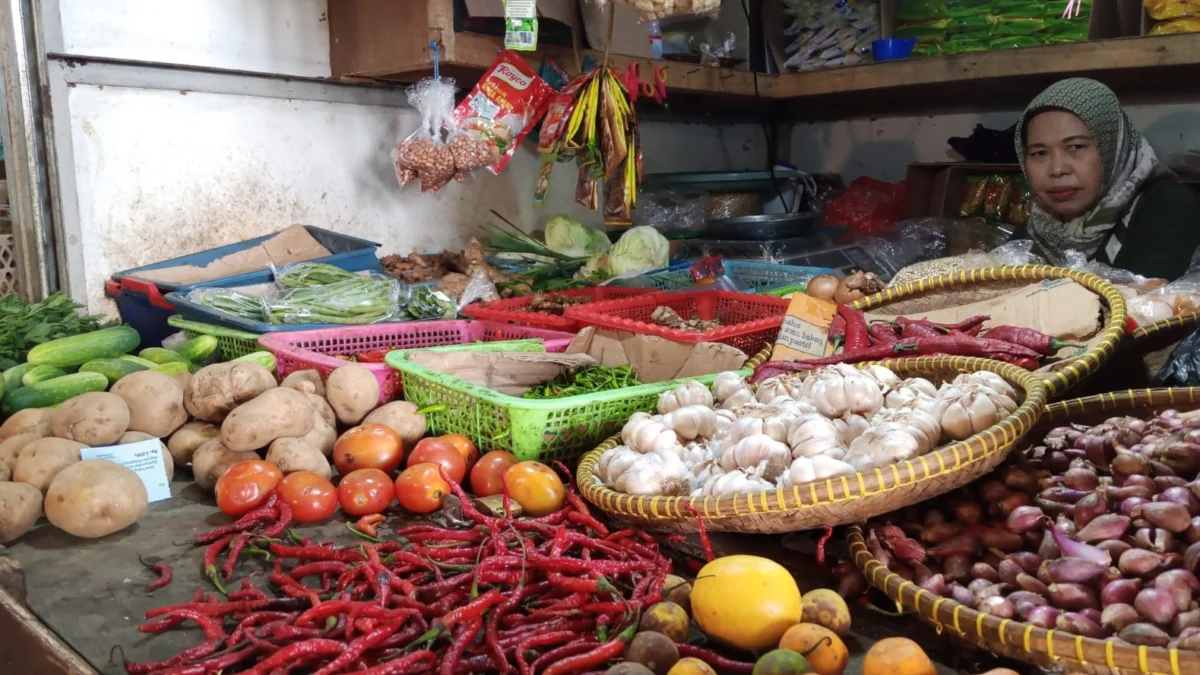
{"x": 585, "y": 381}
{"x": 23, "y": 326}
{"x": 838, "y": 421}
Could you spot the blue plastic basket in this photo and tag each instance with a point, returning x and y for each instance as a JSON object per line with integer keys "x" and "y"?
{"x": 758, "y": 276}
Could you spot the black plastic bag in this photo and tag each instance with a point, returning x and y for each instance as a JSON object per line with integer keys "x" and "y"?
{"x": 1182, "y": 369}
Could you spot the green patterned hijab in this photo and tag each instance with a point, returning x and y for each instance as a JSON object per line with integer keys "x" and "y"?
{"x": 1127, "y": 160}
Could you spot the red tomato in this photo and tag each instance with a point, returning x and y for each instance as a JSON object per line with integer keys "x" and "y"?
{"x": 464, "y": 445}
{"x": 485, "y": 475}
{"x": 370, "y": 446}
{"x": 536, "y": 488}
{"x": 311, "y": 497}
{"x": 365, "y": 491}
{"x": 421, "y": 489}
{"x": 437, "y": 451}
{"x": 246, "y": 485}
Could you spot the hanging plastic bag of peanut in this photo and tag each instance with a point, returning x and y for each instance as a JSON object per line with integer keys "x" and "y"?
{"x": 667, "y": 9}
{"x": 425, "y": 153}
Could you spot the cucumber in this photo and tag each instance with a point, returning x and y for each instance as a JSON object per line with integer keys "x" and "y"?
{"x": 79, "y": 349}
{"x": 53, "y": 392}
{"x": 145, "y": 363}
{"x": 198, "y": 349}
{"x": 12, "y": 376}
{"x": 41, "y": 374}
{"x": 161, "y": 356}
{"x": 173, "y": 368}
{"x": 113, "y": 369}
{"x": 264, "y": 359}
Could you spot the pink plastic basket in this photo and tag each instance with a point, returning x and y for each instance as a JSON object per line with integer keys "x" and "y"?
{"x": 748, "y": 322}
{"x": 319, "y": 349}
{"x": 514, "y": 309}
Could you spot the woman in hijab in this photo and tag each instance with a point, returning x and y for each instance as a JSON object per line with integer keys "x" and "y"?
{"x": 1098, "y": 187}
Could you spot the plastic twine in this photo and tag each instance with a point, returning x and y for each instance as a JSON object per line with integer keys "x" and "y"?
{"x": 433, "y": 46}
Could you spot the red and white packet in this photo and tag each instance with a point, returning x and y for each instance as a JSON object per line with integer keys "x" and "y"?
{"x": 502, "y": 107}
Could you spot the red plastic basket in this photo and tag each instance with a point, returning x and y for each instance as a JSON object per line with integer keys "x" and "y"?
{"x": 319, "y": 349}
{"x": 513, "y": 310}
{"x": 748, "y": 322}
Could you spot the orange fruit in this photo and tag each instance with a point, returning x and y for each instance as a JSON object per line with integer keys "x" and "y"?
{"x": 825, "y": 651}
{"x": 897, "y": 656}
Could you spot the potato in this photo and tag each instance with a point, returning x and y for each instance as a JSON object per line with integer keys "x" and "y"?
{"x": 43, "y": 459}
{"x": 138, "y": 436}
{"x": 155, "y": 402}
{"x": 187, "y": 438}
{"x": 96, "y": 418}
{"x": 5, "y": 472}
{"x": 20, "y": 508}
{"x": 28, "y": 421}
{"x": 295, "y": 454}
{"x": 216, "y": 390}
{"x": 323, "y": 409}
{"x": 308, "y": 381}
{"x": 213, "y": 459}
{"x": 95, "y": 498}
{"x": 323, "y": 435}
{"x": 276, "y": 413}
{"x": 11, "y": 448}
{"x": 402, "y": 417}
{"x": 184, "y": 379}
{"x": 353, "y": 392}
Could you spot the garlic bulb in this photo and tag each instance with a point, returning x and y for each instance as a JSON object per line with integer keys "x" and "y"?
{"x": 886, "y": 444}
{"x": 649, "y": 434}
{"x": 915, "y": 392}
{"x": 695, "y": 454}
{"x": 688, "y": 393}
{"x": 776, "y": 387}
{"x": 808, "y": 469}
{"x": 613, "y": 462}
{"x": 737, "y": 481}
{"x": 655, "y": 473}
{"x": 635, "y": 420}
{"x": 850, "y": 426}
{"x": 758, "y": 450}
{"x": 813, "y": 435}
{"x": 840, "y": 389}
{"x": 723, "y": 419}
{"x": 760, "y": 419}
{"x": 921, "y": 421}
{"x": 884, "y": 377}
{"x": 793, "y": 406}
{"x": 969, "y": 409}
{"x": 727, "y": 384}
{"x": 988, "y": 379}
{"x": 738, "y": 399}
{"x": 691, "y": 422}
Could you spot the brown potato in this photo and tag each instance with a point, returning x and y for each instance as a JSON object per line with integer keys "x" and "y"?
{"x": 20, "y": 508}
{"x": 96, "y": 418}
{"x": 213, "y": 459}
{"x": 402, "y": 417}
{"x": 12, "y": 446}
{"x": 353, "y": 392}
{"x": 275, "y": 413}
{"x": 43, "y": 459}
{"x": 216, "y": 390}
{"x": 29, "y": 421}
{"x": 187, "y": 438}
{"x": 5, "y": 472}
{"x": 138, "y": 436}
{"x": 184, "y": 379}
{"x": 295, "y": 454}
{"x": 308, "y": 381}
{"x": 322, "y": 408}
{"x": 155, "y": 402}
{"x": 95, "y": 498}
{"x": 323, "y": 435}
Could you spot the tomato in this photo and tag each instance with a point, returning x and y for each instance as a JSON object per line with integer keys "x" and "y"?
{"x": 535, "y": 487}
{"x": 437, "y": 451}
{"x": 365, "y": 491}
{"x": 370, "y": 446}
{"x": 421, "y": 489}
{"x": 246, "y": 485}
{"x": 311, "y": 497}
{"x": 485, "y": 475}
{"x": 464, "y": 445}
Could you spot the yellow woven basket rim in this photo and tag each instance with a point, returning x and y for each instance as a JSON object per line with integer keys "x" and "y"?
{"x": 1022, "y": 640}
{"x": 1071, "y": 371}
{"x": 1183, "y": 320}
{"x": 835, "y": 492}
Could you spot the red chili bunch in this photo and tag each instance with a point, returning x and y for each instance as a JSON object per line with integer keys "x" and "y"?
{"x": 551, "y": 595}
{"x": 262, "y": 525}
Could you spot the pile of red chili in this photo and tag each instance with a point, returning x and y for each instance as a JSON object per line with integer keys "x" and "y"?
{"x": 879, "y": 340}
{"x": 552, "y": 595}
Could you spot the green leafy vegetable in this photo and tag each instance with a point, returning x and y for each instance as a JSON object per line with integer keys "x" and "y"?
{"x": 570, "y": 237}
{"x": 585, "y": 381}
{"x": 24, "y": 326}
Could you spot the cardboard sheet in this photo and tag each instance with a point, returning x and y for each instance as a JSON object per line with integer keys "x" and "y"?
{"x": 291, "y": 245}
{"x": 512, "y": 373}
{"x": 656, "y": 359}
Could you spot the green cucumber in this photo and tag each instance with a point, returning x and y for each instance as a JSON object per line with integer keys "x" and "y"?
{"x": 113, "y": 369}
{"x": 54, "y": 392}
{"x": 161, "y": 356}
{"x": 198, "y": 349}
{"x": 41, "y": 374}
{"x": 173, "y": 368}
{"x": 79, "y": 349}
{"x": 12, "y": 376}
{"x": 145, "y": 363}
{"x": 264, "y": 359}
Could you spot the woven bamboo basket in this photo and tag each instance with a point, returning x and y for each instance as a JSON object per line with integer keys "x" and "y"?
{"x": 847, "y": 499}
{"x": 1026, "y": 642}
{"x": 949, "y": 290}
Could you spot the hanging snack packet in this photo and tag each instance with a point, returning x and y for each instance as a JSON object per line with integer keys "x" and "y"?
{"x": 424, "y": 154}
{"x": 500, "y": 110}
{"x": 973, "y": 199}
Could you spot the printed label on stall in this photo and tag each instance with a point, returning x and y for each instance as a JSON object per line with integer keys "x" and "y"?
{"x": 805, "y": 330}
{"x": 520, "y": 25}
{"x": 143, "y": 458}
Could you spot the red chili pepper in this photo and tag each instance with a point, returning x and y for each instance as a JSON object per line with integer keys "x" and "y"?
{"x": 718, "y": 662}
{"x": 704, "y": 542}
{"x": 958, "y": 344}
{"x": 1020, "y": 361}
{"x": 369, "y": 524}
{"x": 214, "y": 664}
{"x": 210, "y": 560}
{"x": 356, "y": 648}
{"x": 162, "y": 569}
{"x": 570, "y": 649}
{"x": 825, "y": 536}
{"x": 857, "y": 334}
{"x": 282, "y": 520}
{"x": 592, "y": 659}
{"x": 262, "y": 513}
{"x": 837, "y": 331}
{"x": 465, "y": 634}
{"x": 401, "y": 666}
{"x": 292, "y": 654}
{"x": 912, "y": 328}
{"x": 964, "y": 325}
{"x": 231, "y": 558}
{"x": 772, "y": 368}
{"x": 373, "y": 356}
{"x": 882, "y": 333}
{"x": 542, "y": 640}
{"x": 316, "y": 553}
{"x": 1028, "y": 337}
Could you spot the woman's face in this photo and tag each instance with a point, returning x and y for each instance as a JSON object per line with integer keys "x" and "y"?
{"x": 1063, "y": 164}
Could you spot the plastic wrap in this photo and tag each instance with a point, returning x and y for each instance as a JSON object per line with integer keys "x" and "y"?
{"x": 671, "y": 9}
{"x": 1182, "y": 369}
{"x": 1153, "y": 304}
{"x": 830, "y": 33}
{"x": 1019, "y": 252}
{"x": 868, "y": 205}
{"x": 910, "y": 241}
{"x": 305, "y": 274}
{"x": 363, "y": 299}
{"x": 230, "y": 301}
{"x": 425, "y": 154}
{"x": 1168, "y": 10}
{"x": 671, "y": 211}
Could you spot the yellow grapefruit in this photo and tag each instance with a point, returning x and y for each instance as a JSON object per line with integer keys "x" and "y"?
{"x": 745, "y": 601}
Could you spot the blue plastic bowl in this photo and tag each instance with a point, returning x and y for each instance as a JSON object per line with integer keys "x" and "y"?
{"x": 893, "y": 49}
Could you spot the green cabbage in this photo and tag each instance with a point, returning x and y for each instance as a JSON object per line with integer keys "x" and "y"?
{"x": 569, "y": 237}
{"x": 638, "y": 251}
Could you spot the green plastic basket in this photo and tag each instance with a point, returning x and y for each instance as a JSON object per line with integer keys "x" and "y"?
{"x": 231, "y": 343}
{"x": 531, "y": 429}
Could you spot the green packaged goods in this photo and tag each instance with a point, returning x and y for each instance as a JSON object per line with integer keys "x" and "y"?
{"x": 1024, "y": 9}
{"x": 922, "y": 10}
{"x": 961, "y": 26}
{"x": 361, "y": 300}
{"x": 427, "y": 303}
{"x": 160, "y": 355}
{"x": 966, "y": 46}
{"x": 229, "y": 301}
{"x": 53, "y": 392}
{"x": 1018, "y": 27}
{"x": 1065, "y": 30}
{"x": 198, "y": 349}
{"x": 79, "y": 349}
{"x": 1015, "y": 42}
{"x": 41, "y": 374}
{"x": 962, "y": 8}
{"x": 112, "y": 369}
{"x": 304, "y": 275}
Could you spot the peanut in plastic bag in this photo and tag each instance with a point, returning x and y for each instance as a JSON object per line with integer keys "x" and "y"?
{"x": 1166, "y": 10}
{"x": 425, "y": 153}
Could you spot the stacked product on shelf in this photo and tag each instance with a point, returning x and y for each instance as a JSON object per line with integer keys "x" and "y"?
{"x": 943, "y": 27}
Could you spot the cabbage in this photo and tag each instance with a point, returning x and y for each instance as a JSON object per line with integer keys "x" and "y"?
{"x": 638, "y": 251}
{"x": 569, "y": 237}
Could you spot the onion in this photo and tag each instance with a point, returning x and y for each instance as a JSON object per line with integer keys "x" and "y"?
{"x": 823, "y": 286}
{"x": 858, "y": 285}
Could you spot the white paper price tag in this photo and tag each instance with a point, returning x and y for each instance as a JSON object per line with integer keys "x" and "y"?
{"x": 143, "y": 458}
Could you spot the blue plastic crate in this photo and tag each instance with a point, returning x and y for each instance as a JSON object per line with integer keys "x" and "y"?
{"x": 758, "y": 276}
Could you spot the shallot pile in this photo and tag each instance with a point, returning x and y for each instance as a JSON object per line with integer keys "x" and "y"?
{"x": 1095, "y": 531}
{"x": 793, "y": 430}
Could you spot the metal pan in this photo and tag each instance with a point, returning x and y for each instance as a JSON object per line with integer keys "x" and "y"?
{"x": 765, "y": 227}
